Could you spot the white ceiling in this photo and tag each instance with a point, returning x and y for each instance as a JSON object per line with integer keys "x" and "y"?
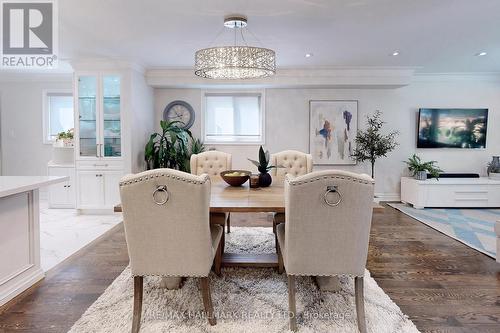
{"x": 433, "y": 35}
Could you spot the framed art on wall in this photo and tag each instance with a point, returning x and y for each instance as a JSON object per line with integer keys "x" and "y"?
{"x": 332, "y": 131}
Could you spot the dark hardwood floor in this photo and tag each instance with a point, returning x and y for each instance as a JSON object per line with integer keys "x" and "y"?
{"x": 442, "y": 285}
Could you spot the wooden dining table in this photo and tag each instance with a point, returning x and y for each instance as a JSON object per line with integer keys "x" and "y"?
{"x": 243, "y": 199}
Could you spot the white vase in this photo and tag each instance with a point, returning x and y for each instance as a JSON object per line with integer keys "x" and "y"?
{"x": 494, "y": 175}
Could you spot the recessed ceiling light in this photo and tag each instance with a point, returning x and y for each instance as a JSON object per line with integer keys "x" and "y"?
{"x": 308, "y": 55}
{"x": 395, "y": 53}
{"x": 480, "y": 54}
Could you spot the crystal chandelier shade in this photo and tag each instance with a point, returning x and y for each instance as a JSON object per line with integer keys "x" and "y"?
{"x": 235, "y": 62}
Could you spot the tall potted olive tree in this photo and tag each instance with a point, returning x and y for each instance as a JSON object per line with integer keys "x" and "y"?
{"x": 372, "y": 143}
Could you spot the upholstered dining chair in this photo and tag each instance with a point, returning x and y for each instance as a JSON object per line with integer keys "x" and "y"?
{"x": 213, "y": 162}
{"x": 167, "y": 229}
{"x": 328, "y": 218}
{"x": 290, "y": 162}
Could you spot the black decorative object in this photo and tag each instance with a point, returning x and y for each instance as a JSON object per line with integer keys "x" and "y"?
{"x": 265, "y": 179}
{"x": 263, "y": 165}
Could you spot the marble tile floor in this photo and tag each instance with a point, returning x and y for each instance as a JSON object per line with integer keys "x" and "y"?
{"x": 63, "y": 232}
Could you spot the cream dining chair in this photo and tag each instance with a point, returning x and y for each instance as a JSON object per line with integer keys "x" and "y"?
{"x": 166, "y": 218}
{"x": 290, "y": 162}
{"x": 328, "y": 218}
{"x": 213, "y": 163}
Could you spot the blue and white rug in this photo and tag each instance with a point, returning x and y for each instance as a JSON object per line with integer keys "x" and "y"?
{"x": 473, "y": 227}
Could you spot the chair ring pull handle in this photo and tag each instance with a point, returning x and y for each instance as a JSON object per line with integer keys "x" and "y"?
{"x": 161, "y": 188}
{"x": 332, "y": 189}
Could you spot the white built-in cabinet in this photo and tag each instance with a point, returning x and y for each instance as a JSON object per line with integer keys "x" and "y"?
{"x": 62, "y": 195}
{"x": 98, "y": 139}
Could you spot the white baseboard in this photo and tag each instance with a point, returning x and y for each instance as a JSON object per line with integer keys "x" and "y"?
{"x": 387, "y": 197}
{"x": 20, "y": 283}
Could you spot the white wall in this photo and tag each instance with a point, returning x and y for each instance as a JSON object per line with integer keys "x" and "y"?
{"x": 23, "y": 151}
{"x": 287, "y": 122}
{"x": 143, "y": 119}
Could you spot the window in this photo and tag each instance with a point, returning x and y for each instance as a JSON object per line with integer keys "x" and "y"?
{"x": 58, "y": 114}
{"x": 233, "y": 118}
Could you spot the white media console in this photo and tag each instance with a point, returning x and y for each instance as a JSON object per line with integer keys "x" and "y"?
{"x": 451, "y": 192}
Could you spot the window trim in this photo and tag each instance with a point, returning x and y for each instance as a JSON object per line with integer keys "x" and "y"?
{"x": 45, "y": 110}
{"x": 262, "y": 95}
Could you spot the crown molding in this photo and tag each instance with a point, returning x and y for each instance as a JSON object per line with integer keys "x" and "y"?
{"x": 6, "y": 77}
{"x": 449, "y": 77}
{"x": 84, "y": 64}
{"x": 353, "y": 77}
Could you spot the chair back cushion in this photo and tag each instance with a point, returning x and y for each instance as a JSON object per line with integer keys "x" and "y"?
{"x": 291, "y": 162}
{"x": 210, "y": 162}
{"x": 173, "y": 238}
{"x": 327, "y": 240}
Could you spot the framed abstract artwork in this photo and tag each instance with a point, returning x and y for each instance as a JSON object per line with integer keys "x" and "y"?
{"x": 332, "y": 131}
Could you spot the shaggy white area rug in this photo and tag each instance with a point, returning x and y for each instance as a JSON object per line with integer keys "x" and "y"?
{"x": 245, "y": 300}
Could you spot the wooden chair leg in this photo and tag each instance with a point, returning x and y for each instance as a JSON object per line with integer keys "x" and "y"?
{"x": 228, "y": 222}
{"x": 138, "y": 288}
{"x": 360, "y": 303}
{"x": 281, "y": 265}
{"x": 275, "y": 237}
{"x": 218, "y": 259}
{"x": 223, "y": 241}
{"x": 207, "y": 300}
{"x": 292, "y": 309}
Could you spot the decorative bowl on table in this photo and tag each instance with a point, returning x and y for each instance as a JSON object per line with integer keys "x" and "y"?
{"x": 235, "y": 177}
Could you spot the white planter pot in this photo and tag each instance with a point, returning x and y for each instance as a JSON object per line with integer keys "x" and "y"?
{"x": 494, "y": 175}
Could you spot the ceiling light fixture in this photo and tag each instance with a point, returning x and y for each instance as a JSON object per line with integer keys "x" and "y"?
{"x": 395, "y": 53}
{"x": 481, "y": 54}
{"x": 308, "y": 55}
{"x": 237, "y": 61}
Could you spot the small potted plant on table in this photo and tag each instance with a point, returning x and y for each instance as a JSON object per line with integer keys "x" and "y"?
{"x": 263, "y": 166}
{"x": 419, "y": 169}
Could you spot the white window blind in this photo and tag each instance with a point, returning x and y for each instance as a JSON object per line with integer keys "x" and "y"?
{"x": 58, "y": 114}
{"x": 233, "y": 118}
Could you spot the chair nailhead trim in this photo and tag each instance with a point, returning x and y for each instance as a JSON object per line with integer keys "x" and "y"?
{"x": 144, "y": 178}
{"x": 292, "y": 182}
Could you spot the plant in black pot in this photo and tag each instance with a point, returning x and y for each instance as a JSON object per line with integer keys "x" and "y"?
{"x": 263, "y": 165}
{"x": 419, "y": 169}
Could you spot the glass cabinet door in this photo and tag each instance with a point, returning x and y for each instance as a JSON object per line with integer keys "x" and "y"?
{"x": 87, "y": 96}
{"x": 111, "y": 116}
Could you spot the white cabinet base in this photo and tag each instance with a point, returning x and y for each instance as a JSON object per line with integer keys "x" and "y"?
{"x": 451, "y": 192}
{"x": 62, "y": 195}
{"x": 19, "y": 244}
{"x": 98, "y": 190}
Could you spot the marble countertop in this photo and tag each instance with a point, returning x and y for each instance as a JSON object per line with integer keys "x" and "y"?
{"x": 10, "y": 185}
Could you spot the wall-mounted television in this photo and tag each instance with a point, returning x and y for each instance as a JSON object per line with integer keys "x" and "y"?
{"x": 452, "y": 128}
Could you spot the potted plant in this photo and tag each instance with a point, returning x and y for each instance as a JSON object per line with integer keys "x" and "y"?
{"x": 64, "y": 139}
{"x": 197, "y": 146}
{"x": 419, "y": 169}
{"x": 263, "y": 166}
{"x": 170, "y": 148}
{"x": 371, "y": 143}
